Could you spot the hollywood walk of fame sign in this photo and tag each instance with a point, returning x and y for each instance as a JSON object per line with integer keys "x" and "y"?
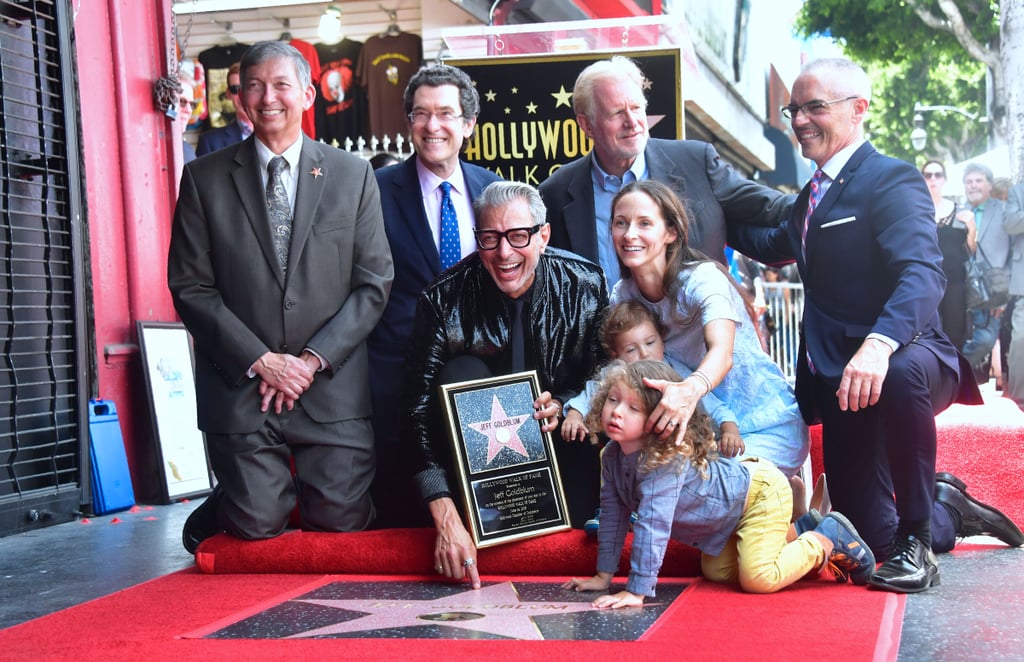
{"x": 527, "y": 127}
{"x": 507, "y": 468}
{"x": 530, "y": 610}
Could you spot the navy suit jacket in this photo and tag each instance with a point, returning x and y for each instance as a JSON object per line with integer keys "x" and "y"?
{"x": 873, "y": 266}
{"x": 713, "y": 192}
{"x": 214, "y": 139}
{"x": 417, "y": 264}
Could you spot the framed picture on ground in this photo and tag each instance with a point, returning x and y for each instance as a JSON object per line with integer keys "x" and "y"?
{"x": 506, "y": 465}
{"x": 170, "y": 382}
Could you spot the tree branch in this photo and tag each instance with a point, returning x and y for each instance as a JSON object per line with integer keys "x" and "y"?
{"x": 953, "y": 23}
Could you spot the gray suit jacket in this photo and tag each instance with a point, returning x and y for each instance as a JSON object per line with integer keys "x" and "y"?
{"x": 237, "y": 304}
{"x": 714, "y": 194}
{"x": 1013, "y": 223}
{"x": 993, "y": 241}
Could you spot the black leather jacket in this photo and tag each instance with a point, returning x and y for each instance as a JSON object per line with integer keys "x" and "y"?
{"x": 464, "y": 312}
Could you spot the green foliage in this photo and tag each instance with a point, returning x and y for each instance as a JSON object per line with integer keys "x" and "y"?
{"x": 931, "y": 81}
{"x": 883, "y": 30}
{"x": 909, "y": 62}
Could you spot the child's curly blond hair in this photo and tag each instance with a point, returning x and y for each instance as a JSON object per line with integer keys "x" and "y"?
{"x": 698, "y": 444}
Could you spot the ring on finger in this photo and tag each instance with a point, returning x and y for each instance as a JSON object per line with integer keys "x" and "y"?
{"x": 468, "y": 562}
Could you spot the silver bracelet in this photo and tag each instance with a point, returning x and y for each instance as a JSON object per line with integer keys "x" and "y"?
{"x": 703, "y": 378}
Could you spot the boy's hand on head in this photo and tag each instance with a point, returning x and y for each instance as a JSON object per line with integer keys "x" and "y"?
{"x": 573, "y": 428}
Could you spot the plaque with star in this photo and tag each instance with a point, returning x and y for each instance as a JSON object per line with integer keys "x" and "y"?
{"x": 506, "y": 465}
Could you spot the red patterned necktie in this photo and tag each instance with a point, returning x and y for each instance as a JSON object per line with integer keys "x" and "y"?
{"x": 812, "y": 201}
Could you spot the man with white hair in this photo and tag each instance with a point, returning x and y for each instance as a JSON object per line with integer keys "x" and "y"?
{"x": 610, "y": 106}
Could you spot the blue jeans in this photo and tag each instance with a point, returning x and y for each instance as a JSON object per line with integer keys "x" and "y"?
{"x": 981, "y": 342}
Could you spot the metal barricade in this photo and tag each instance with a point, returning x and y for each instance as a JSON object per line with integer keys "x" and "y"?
{"x": 784, "y": 308}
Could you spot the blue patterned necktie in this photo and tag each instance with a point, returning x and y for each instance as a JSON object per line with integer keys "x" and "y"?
{"x": 451, "y": 247}
{"x": 280, "y": 211}
{"x": 812, "y": 201}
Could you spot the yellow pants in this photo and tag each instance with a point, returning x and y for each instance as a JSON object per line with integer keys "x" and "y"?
{"x": 757, "y": 554}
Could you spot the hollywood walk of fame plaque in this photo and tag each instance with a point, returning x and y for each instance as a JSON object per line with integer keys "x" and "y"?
{"x": 507, "y": 469}
{"x": 524, "y": 609}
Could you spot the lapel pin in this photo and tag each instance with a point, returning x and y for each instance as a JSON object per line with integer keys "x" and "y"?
{"x": 316, "y": 172}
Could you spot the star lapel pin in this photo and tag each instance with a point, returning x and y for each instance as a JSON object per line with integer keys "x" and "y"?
{"x": 317, "y": 173}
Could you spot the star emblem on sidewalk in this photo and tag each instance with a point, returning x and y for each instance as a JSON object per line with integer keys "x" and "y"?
{"x": 496, "y": 609}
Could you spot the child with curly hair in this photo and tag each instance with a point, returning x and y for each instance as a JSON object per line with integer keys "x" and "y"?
{"x": 737, "y": 513}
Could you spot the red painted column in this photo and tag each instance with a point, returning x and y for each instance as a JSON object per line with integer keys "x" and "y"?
{"x": 132, "y": 160}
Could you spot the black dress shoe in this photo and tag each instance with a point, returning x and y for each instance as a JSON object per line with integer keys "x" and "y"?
{"x": 202, "y": 523}
{"x": 911, "y": 569}
{"x": 976, "y": 519}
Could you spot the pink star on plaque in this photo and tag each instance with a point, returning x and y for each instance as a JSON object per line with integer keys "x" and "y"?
{"x": 316, "y": 172}
{"x": 502, "y": 431}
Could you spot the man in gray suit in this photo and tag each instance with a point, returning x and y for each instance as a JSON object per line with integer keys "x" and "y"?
{"x": 280, "y": 270}
{"x": 993, "y": 248}
{"x": 610, "y": 107}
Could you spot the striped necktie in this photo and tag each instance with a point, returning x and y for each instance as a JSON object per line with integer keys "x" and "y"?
{"x": 812, "y": 201}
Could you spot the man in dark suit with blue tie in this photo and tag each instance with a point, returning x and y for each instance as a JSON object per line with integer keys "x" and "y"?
{"x": 428, "y": 214}
{"x": 233, "y": 132}
{"x": 874, "y": 366}
{"x": 279, "y": 268}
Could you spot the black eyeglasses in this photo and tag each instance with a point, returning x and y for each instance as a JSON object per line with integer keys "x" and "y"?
{"x": 420, "y": 117}
{"x": 488, "y": 240}
{"x": 234, "y": 89}
{"x": 934, "y": 174}
{"x": 816, "y": 107}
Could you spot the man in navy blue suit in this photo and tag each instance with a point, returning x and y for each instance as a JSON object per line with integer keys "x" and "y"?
{"x": 233, "y": 132}
{"x": 442, "y": 106}
{"x": 874, "y": 365}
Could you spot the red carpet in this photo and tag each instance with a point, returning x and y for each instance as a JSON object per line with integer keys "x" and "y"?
{"x": 982, "y": 445}
{"x": 985, "y": 446}
{"x": 708, "y": 622}
{"x": 411, "y": 552}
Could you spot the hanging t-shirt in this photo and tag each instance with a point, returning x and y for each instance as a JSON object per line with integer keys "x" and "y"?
{"x": 308, "y": 51}
{"x": 385, "y": 67}
{"x": 217, "y": 60}
{"x": 340, "y": 103}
